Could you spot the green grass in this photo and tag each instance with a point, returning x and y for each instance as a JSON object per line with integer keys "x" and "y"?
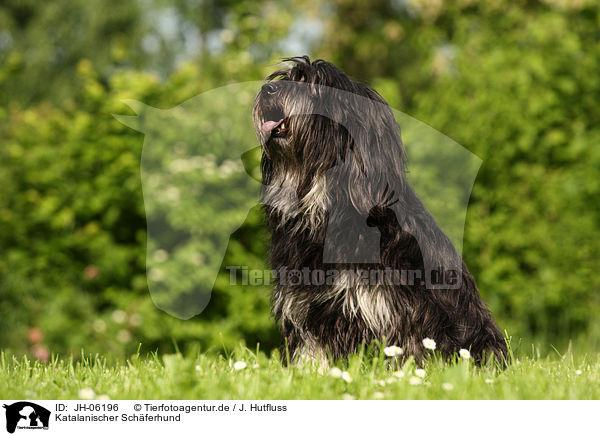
{"x": 211, "y": 376}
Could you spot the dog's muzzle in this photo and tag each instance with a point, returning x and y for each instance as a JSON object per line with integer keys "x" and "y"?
{"x": 273, "y": 122}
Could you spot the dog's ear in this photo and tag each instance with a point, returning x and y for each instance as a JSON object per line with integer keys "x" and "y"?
{"x": 377, "y": 155}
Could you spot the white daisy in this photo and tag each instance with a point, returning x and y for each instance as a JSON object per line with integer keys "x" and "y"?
{"x": 399, "y": 374}
{"x": 239, "y": 365}
{"x": 465, "y": 354}
{"x": 346, "y": 376}
{"x": 429, "y": 343}
{"x": 87, "y": 394}
{"x": 420, "y": 372}
{"x": 335, "y": 372}
{"x": 447, "y": 386}
{"x": 578, "y": 372}
{"x": 415, "y": 381}
{"x": 393, "y": 351}
{"x": 489, "y": 381}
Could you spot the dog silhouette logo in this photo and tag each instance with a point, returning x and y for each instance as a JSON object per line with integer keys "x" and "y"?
{"x": 26, "y": 415}
{"x": 201, "y": 175}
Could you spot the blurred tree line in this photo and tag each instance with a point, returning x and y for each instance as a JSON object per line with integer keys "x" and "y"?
{"x": 515, "y": 82}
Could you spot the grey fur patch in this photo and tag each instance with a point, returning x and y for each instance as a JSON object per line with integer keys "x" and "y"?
{"x": 282, "y": 195}
{"x": 363, "y": 301}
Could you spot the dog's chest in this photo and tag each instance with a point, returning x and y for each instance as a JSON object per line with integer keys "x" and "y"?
{"x": 354, "y": 302}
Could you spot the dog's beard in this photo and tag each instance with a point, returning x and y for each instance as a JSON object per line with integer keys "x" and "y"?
{"x": 294, "y": 160}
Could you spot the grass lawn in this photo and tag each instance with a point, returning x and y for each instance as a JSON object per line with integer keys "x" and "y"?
{"x": 210, "y": 376}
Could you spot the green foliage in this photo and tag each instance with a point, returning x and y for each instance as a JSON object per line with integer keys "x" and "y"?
{"x": 205, "y": 376}
{"x": 74, "y": 231}
{"x": 41, "y": 43}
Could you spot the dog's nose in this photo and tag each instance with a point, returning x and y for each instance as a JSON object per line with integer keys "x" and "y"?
{"x": 270, "y": 88}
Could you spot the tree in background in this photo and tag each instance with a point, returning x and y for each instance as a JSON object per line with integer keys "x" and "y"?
{"x": 41, "y": 44}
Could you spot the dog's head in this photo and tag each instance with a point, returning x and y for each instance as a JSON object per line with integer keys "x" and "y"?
{"x": 293, "y": 92}
{"x": 310, "y": 116}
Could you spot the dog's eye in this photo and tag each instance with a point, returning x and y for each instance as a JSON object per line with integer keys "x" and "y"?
{"x": 282, "y": 126}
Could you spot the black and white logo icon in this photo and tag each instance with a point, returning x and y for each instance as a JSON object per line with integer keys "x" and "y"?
{"x": 26, "y": 415}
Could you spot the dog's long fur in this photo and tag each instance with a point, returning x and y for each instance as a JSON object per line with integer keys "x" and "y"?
{"x": 338, "y": 148}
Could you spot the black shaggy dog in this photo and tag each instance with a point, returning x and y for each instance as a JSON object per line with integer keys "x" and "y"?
{"x": 358, "y": 257}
